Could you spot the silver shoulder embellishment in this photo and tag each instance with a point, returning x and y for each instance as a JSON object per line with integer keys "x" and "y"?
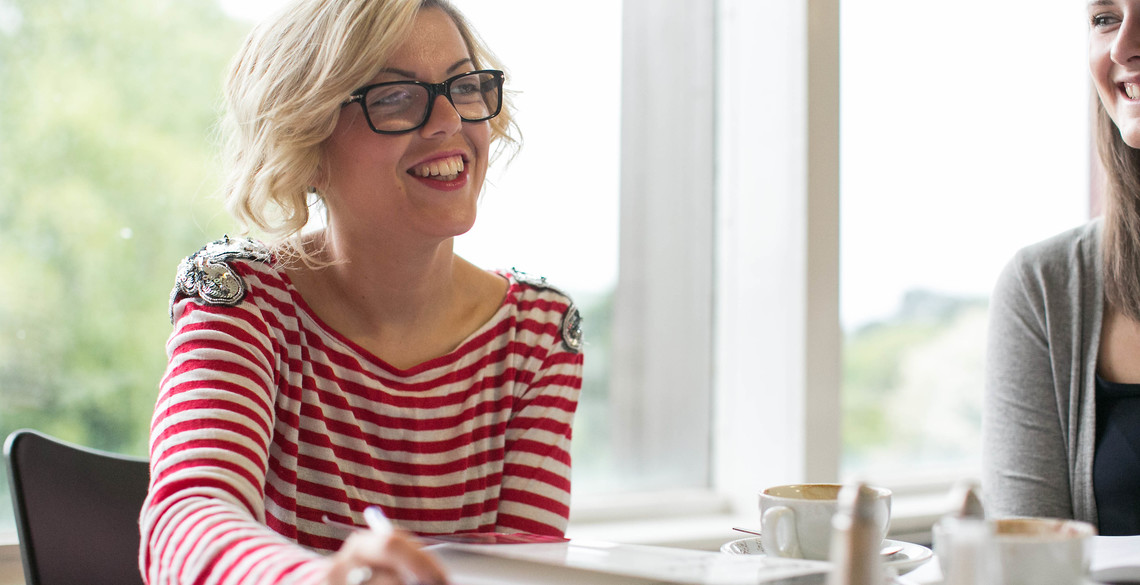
{"x": 571, "y": 328}
{"x": 535, "y": 281}
{"x": 208, "y": 276}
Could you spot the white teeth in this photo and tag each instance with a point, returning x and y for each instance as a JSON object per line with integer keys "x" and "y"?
{"x": 1132, "y": 91}
{"x": 447, "y": 168}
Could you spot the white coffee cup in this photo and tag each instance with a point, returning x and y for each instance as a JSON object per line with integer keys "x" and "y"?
{"x": 795, "y": 520}
{"x": 1039, "y": 551}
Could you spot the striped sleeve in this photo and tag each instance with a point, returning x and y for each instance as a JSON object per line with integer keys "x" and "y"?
{"x": 535, "y": 494}
{"x": 203, "y": 520}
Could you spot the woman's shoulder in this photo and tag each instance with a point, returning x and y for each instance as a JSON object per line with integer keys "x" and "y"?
{"x": 219, "y": 273}
{"x": 1076, "y": 240}
{"x": 1069, "y": 261}
{"x": 1077, "y": 247}
{"x": 535, "y": 285}
{"x": 542, "y": 300}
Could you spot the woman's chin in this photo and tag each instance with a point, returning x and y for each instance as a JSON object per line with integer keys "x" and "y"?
{"x": 1130, "y": 133}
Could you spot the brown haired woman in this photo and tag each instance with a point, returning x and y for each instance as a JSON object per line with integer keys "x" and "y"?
{"x": 1061, "y": 426}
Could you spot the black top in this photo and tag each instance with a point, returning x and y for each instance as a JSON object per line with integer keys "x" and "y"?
{"x": 1116, "y": 466}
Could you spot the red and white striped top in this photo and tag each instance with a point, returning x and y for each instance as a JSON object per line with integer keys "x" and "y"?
{"x": 268, "y": 420}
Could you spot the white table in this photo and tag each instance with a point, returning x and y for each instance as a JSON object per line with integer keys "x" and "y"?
{"x": 603, "y": 563}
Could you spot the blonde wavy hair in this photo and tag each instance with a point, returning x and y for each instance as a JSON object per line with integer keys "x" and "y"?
{"x": 284, "y": 94}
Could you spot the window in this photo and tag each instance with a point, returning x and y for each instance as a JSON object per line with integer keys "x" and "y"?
{"x": 928, "y": 162}
{"x": 106, "y": 178}
{"x": 108, "y": 164}
{"x": 777, "y": 325}
{"x": 695, "y": 210}
{"x": 954, "y": 155}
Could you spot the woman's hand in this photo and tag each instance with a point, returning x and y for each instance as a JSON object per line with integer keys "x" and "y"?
{"x": 371, "y": 558}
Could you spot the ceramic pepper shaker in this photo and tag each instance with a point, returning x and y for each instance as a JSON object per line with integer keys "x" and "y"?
{"x": 855, "y": 539}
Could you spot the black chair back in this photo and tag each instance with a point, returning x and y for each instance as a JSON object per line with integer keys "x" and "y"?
{"x": 77, "y": 510}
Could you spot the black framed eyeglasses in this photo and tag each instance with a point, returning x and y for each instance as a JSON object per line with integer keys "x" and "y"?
{"x": 396, "y": 107}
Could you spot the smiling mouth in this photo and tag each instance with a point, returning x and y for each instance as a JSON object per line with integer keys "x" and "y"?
{"x": 1132, "y": 90}
{"x": 444, "y": 169}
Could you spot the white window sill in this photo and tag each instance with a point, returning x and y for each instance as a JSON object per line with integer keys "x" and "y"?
{"x": 696, "y": 519}
{"x": 705, "y": 521}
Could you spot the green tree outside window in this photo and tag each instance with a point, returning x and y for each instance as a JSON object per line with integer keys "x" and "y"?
{"x": 108, "y": 176}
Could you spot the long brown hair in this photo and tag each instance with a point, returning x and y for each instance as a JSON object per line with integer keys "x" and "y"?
{"x": 1122, "y": 215}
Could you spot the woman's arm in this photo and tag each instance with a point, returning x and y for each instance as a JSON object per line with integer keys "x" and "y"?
{"x": 535, "y": 492}
{"x": 1025, "y": 466}
{"x": 213, "y": 422}
{"x": 205, "y": 519}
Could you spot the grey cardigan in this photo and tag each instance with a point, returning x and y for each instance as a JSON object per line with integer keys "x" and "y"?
{"x": 1039, "y": 419}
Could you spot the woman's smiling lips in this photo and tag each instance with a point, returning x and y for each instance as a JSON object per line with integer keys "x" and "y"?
{"x": 443, "y": 173}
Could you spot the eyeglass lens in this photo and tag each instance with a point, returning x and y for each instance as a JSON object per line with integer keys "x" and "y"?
{"x": 395, "y": 107}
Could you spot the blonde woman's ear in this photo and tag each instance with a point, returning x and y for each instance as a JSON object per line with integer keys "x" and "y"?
{"x": 317, "y": 180}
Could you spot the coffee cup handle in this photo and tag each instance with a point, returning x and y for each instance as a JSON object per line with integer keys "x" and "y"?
{"x": 778, "y": 532}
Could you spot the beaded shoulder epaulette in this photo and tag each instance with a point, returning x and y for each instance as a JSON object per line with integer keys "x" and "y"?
{"x": 571, "y": 328}
{"x": 207, "y": 274}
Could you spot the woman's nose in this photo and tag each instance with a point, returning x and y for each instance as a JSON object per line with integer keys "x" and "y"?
{"x": 444, "y": 118}
{"x": 1126, "y": 45}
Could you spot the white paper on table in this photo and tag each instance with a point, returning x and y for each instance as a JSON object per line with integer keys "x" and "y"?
{"x": 1115, "y": 559}
{"x": 652, "y": 564}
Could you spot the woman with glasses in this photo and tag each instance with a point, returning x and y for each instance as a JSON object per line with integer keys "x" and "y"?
{"x": 359, "y": 364}
{"x": 1061, "y": 427}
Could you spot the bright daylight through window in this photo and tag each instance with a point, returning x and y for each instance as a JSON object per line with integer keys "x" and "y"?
{"x": 109, "y": 176}
{"x": 949, "y": 163}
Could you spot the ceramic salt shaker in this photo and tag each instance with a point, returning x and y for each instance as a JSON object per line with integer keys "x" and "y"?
{"x": 855, "y": 539}
{"x": 960, "y": 538}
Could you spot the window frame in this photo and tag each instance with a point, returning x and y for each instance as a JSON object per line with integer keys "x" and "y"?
{"x": 778, "y": 193}
{"x": 735, "y": 192}
{"x": 661, "y": 377}
{"x": 771, "y": 175}
{"x": 752, "y": 189}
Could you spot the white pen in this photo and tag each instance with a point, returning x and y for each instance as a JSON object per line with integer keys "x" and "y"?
{"x": 377, "y": 521}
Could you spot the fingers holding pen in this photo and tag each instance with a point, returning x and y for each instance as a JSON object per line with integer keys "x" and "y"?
{"x": 425, "y": 568}
{"x": 389, "y": 557}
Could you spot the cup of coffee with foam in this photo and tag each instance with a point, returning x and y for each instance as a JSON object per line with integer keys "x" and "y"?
{"x": 795, "y": 519}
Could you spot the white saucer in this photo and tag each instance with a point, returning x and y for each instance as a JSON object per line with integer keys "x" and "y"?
{"x": 906, "y": 560}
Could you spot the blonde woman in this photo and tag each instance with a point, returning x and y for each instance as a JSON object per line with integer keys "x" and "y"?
{"x": 1061, "y": 427}
{"x": 362, "y": 364}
